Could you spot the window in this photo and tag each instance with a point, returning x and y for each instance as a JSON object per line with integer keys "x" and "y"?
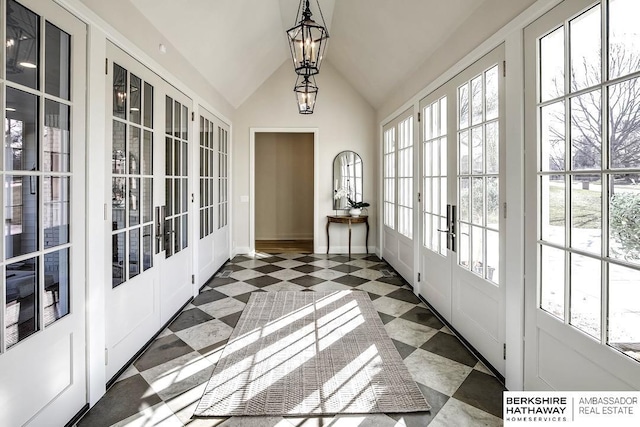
{"x": 132, "y": 176}
{"x": 207, "y": 183}
{"x": 434, "y": 170}
{"x": 478, "y": 175}
{"x": 398, "y": 176}
{"x": 588, "y": 173}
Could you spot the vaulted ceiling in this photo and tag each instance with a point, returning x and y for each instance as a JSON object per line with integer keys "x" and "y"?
{"x": 374, "y": 44}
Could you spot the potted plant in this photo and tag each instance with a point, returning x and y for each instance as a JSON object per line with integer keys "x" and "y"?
{"x": 355, "y": 208}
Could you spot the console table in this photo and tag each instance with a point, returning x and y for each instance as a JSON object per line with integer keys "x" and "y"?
{"x": 347, "y": 219}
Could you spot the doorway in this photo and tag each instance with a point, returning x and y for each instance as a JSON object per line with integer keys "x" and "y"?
{"x": 462, "y": 230}
{"x": 284, "y": 197}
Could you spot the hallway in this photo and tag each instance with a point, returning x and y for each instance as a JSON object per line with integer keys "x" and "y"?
{"x": 164, "y": 385}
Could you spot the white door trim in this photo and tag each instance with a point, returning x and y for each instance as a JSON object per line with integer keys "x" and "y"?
{"x": 252, "y": 190}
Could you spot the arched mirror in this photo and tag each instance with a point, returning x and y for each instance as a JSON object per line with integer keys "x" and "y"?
{"x": 347, "y": 179}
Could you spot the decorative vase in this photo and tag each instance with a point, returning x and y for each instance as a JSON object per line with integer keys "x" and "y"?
{"x": 355, "y": 211}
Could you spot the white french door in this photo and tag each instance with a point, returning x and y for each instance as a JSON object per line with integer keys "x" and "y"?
{"x": 462, "y": 189}
{"x": 582, "y": 307}
{"x": 398, "y": 194}
{"x": 42, "y": 298}
{"x": 214, "y": 245}
{"x": 148, "y": 125}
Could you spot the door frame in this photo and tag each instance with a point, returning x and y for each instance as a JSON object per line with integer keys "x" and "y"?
{"x": 252, "y": 186}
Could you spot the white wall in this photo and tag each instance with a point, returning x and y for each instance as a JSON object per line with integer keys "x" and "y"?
{"x": 133, "y": 25}
{"x": 284, "y": 186}
{"x": 345, "y": 121}
{"x": 487, "y": 20}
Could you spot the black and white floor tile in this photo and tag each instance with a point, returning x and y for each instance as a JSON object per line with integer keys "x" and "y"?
{"x": 165, "y": 384}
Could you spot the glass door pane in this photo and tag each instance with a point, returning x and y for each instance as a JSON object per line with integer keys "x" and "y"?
{"x": 132, "y": 176}
{"x": 589, "y": 164}
{"x": 478, "y": 182}
{"x": 434, "y": 176}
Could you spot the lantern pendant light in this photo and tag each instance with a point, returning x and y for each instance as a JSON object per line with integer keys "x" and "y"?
{"x": 306, "y": 93}
{"x": 307, "y": 41}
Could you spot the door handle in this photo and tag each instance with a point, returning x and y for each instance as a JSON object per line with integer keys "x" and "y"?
{"x": 160, "y": 228}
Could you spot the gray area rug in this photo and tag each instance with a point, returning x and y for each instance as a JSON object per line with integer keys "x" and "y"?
{"x": 310, "y": 353}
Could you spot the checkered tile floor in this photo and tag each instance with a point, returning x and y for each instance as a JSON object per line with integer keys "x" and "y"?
{"x": 164, "y": 385}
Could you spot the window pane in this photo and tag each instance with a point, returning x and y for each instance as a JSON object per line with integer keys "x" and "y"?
{"x": 56, "y": 137}
{"x": 477, "y": 150}
{"x": 586, "y": 141}
{"x": 493, "y": 256}
{"x": 624, "y": 123}
{"x": 56, "y": 286}
{"x": 148, "y": 105}
{"x": 427, "y": 158}
{"x": 168, "y": 115}
{"x": 177, "y": 127}
{"x": 168, "y": 152}
{"x": 585, "y": 49}
{"x": 477, "y": 201}
{"x": 119, "y": 148}
{"x": 477, "y": 250}
{"x": 21, "y": 130}
{"x": 552, "y": 198}
{"x": 21, "y": 207}
{"x": 56, "y": 211}
{"x": 624, "y": 225}
{"x": 134, "y": 150}
{"x": 136, "y": 99}
{"x": 23, "y": 45}
{"x": 134, "y": 201}
{"x": 624, "y": 38}
{"x": 552, "y": 65}
{"x": 443, "y": 156}
{"x": 147, "y": 247}
{"x": 477, "y": 98}
{"x": 185, "y": 231}
{"x": 463, "y": 106}
{"x": 21, "y": 314}
{"x": 147, "y": 153}
{"x": 185, "y": 122}
{"x": 118, "y": 193}
{"x": 491, "y": 98}
{"x": 492, "y": 149}
{"x": 118, "y": 248}
{"x": 119, "y": 91}
{"x": 624, "y": 310}
{"x": 463, "y": 152}
{"x": 134, "y": 252}
{"x": 552, "y": 137}
{"x": 464, "y": 191}
{"x": 586, "y": 213}
{"x": 552, "y": 281}
{"x": 147, "y": 200}
{"x": 57, "y": 61}
{"x": 493, "y": 203}
{"x": 463, "y": 246}
{"x": 585, "y": 294}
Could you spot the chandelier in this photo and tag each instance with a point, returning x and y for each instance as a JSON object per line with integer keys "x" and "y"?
{"x": 306, "y": 92}
{"x": 307, "y": 42}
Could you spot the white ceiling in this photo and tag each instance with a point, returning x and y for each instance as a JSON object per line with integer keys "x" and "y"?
{"x": 238, "y": 44}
